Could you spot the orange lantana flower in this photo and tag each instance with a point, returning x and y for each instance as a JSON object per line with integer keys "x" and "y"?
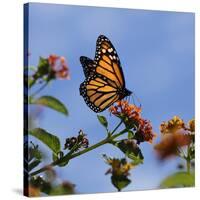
{"x": 170, "y": 144}
{"x": 172, "y": 126}
{"x": 119, "y": 167}
{"x": 124, "y": 109}
{"x": 131, "y": 115}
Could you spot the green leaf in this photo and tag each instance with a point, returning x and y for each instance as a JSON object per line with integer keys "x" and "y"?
{"x": 120, "y": 182}
{"x": 33, "y": 164}
{"x": 34, "y": 152}
{"x": 49, "y": 139}
{"x": 43, "y": 66}
{"x": 131, "y": 150}
{"x": 54, "y": 157}
{"x": 179, "y": 179}
{"x": 52, "y": 103}
{"x": 103, "y": 120}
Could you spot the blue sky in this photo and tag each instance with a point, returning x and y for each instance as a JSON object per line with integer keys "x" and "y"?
{"x": 156, "y": 50}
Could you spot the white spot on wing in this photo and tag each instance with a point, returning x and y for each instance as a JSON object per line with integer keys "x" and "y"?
{"x": 103, "y": 50}
{"x": 110, "y": 50}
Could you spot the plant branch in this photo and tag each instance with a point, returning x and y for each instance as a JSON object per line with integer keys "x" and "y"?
{"x": 181, "y": 153}
{"x": 70, "y": 155}
{"x": 117, "y": 127}
{"x": 106, "y": 140}
{"x": 40, "y": 89}
{"x": 188, "y": 158}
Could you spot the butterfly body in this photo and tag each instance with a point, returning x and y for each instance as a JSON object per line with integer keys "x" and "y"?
{"x": 123, "y": 93}
{"x": 104, "y": 83}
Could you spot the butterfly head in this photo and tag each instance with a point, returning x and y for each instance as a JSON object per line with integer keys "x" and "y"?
{"x": 127, "y": 92}
{"x": 124, "y": 93}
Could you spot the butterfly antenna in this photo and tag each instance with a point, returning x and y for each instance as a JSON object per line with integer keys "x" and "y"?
{"x": 132, "y": 99}
{"x": 128, "y": 98}
{"x": 138, "y": 100}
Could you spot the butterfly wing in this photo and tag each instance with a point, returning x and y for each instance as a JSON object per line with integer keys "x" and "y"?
{"x": 88, "y": 66}
{"x": 104, "y": 77}
{"x": 97, "y": 93}
{"x": 107, "y": 61}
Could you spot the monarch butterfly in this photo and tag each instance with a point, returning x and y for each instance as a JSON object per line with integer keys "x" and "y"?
{"x": 104, "y": 83}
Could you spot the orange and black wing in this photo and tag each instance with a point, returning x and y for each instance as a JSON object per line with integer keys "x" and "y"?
{"x": 97, "y": 93}
{"x": 107, "y": 62}
{"x": 104, "y": 77}
{"x": 88, "y": 66}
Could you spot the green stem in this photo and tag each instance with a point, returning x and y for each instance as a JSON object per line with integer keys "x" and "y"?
{"x": 70, "y": 156}
{"x": 119, "y": 134}
{"x": 105, "y": 141}
{"x": 117, "y": 127}
{"x": 40, "y": 89}
{"x": 188, "y": 166}
{"x": 188, "y": 159}
{"x": 181, "y": 153}
{"x": 89, "y": 148}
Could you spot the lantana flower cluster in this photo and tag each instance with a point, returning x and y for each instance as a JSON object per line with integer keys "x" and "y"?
{"x": 119, "y": 167}
{"x": 131, "y": 116}
{"x": 175, "y": 134}
{"x": 172, "y": 126}
{"x": 119, "y": 171}
{"x": 77, "y": 142}
{"x": 52, "y": 67}
{"x": 58, "y": 66}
